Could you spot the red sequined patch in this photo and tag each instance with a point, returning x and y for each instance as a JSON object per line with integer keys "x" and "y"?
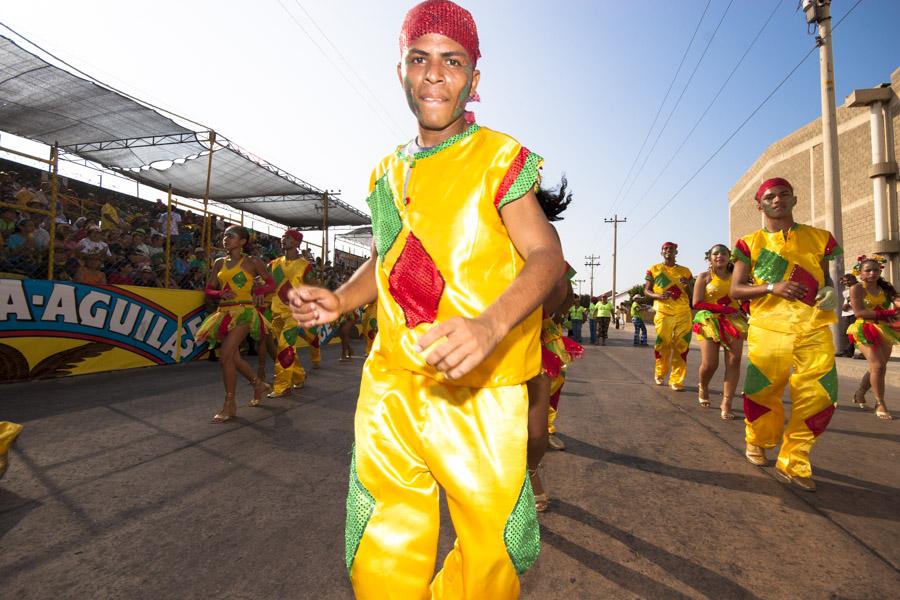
{"x": 223, "y": 327}
{"x": 286, "y": 357}
{"x": 416, "y": 284}
{"x": 554, "y": 399}
{"x": 283, "y": 292}
{"x": 511, "y": 174}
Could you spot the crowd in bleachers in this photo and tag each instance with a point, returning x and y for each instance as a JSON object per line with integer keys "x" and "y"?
{"x": 102, "y": 236}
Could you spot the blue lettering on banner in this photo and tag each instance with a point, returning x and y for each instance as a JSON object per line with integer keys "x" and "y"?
{"x": 34, "y": 307}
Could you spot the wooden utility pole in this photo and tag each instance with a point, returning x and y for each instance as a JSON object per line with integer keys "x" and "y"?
{"x": 615, "y": 223}
{"x": 591, "y": 262}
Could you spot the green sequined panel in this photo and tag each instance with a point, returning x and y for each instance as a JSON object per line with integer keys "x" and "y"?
{"x": 829, "y": 381}
{"x": 386, "y": 224}
{"x": 525, "y": 180}
{"x": 239, "y": 279}
{"x": 661, "y": 281}
{"x": 290, "y": 336}
{"x": 522, "y": 534}
{"x": 360, "y": 505}
{"x": 687, "y": 336}
{"x": 446, "y": 143}
{"x": 754, "y": 380}
{"x": 278, "y": 275}
{"x": 770, "y": 267}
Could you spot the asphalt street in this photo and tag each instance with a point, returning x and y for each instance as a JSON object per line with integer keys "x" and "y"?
{"x": 119, "y": 487}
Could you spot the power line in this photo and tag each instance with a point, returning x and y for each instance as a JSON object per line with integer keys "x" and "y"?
{"x": 678, "y": 101}
{"x": 708, "y": 106}
{"x": 738, "y": 129}
{"x": 659, "y": 110}
{"x": 392, "y": 128}
{"x": 349, "y": 66}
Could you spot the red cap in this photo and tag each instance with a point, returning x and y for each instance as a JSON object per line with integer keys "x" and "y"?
{"x": 294, "y": 233}
{"x": 443, "y": 17}
{"x": 768, "y": 183}
{"x": 667, "y": 244}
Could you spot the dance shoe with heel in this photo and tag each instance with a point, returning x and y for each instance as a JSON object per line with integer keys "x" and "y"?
{"x": 260, "y": 389}
{"x": 881, "y": 411}
{"x": 541, "y": 500}
{"x": 228, "y": 412}
{"x": 802, "y": 483}
{"x": 859, "y": 399}
{"x": 702, "y": 396}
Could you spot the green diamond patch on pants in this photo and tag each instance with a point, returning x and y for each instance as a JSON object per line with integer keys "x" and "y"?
{"x": 360, "y": 506}
{"x": 522, "y": 534}
{"x": 754, "y": 380}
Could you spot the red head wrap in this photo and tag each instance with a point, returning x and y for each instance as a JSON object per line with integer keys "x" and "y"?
{"x": 293, "y": 233}
{"x": 768, "y": 183}
{"x": 443, "y": 17}
{"x": 667, "y": 244}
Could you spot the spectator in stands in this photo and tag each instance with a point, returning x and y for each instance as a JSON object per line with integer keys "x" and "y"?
{"x": 93, "y": 243}
{"x": 174, "y": 220}
{"x": 109, "y": 216}
{"x": 81, "y": 224}
{"x": 146, "y": 277}
{"x": 122, "y": 273}
{"x": 41, "y": 235}
{"x": 8, "y": 218}
{"x": 22, "y": 240}
{"x": 90, "y": 272}
{"x": 157, "y": 245}
{"x": 140, "y": 246}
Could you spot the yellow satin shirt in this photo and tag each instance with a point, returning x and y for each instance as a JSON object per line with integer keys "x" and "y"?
{"x": 237, "y": 280}
{"x": 718, "y": 288}
{"x": 669, "y": 278}
{"x": 444, "y": 252}
{"x": 287, "y": 274}
{"x": 772, "y": 257}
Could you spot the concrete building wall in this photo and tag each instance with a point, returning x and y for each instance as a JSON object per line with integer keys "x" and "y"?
{"x": 798, "y": 158}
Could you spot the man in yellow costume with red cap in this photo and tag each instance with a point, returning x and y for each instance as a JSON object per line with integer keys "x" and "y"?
{"x": 789, "y": 341}
{"x": 670, "y": 286}
{"x": 288, "y": 271}
{"x": 462, "y": 258}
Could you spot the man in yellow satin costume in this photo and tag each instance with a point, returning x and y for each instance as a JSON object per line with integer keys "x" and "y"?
{"x": 462, "y": 258}
{"x": 791, "y": 307}
{"x": 288, "y": 271}
{"x": 671, "y": 287}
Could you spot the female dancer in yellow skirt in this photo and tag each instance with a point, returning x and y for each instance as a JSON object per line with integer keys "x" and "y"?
{"x": 719, "y": 322}
{"x": 874, "y": 302}
{"x": 231, "y": 282}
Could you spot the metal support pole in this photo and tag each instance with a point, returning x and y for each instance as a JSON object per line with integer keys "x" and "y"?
{"x": 615, "y": 223}
{"x": 325, "y": 228}
{"x": 830, "y": 153}
{"x": 54, "y": 195}
{"x": 206, "y": 233}
{"x": 169, "y": 239}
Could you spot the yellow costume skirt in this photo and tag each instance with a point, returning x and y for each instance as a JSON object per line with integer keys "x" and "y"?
{"x": 415, "y": 435}
{"x": 872, "y": 333}
{"x": 719, "y": 328}
{"x": 216, "y": 326}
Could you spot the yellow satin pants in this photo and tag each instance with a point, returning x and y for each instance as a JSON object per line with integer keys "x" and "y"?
{"x": 8, "y": 434}
{"x": 412, "y": 435}
{"x": 805, "y": 361}
{"x": 288, "y": 370}
{"x": 673, "y": 337}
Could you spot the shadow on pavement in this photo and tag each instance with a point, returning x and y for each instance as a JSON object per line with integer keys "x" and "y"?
{"x": 861, "y": 498}
{"x": 706, "y": 581}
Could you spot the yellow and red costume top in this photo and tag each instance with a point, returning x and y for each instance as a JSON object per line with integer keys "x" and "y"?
{"x": 444, "y": 252}
{"x": 236, "y": 311}
{"x": 873, "y": 332}
{"x": 719, "y": 317}
{"x": 778, "y": 256}
{"x": 668, "y": 279}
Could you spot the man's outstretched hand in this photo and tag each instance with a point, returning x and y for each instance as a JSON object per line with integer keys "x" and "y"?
{"x": 467, "y": 342}
{"x": 311, "y": 306}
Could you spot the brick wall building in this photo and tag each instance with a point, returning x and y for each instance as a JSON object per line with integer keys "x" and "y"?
{"x": 798, "y": 158}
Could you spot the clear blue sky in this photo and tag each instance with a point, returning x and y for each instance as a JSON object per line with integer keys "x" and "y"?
{"x": 578, "y": 82}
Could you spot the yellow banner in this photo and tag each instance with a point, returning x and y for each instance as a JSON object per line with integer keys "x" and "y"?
{"x": 56, "y": 328}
